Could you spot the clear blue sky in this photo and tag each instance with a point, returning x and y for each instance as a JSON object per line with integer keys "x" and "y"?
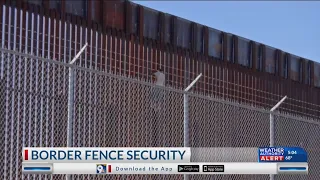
{"x": 293, "y": 27}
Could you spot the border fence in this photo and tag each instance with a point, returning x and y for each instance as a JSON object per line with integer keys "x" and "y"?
{"x": 107, "y": 109}
{"x": 111, "y": 110}
{"x": 61, "y": 37}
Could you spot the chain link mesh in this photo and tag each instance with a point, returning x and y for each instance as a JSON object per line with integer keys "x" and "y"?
{"x": 217, "y": 124}
{"x": 33, "y": 110}
{"x": 112, "y": 110}
{"x": 303, "y": 134}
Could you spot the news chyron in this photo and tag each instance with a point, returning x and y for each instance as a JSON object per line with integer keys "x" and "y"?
{"x": 146, "y": 160}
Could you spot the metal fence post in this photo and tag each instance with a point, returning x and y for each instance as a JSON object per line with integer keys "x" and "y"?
{"x": 186, "y": 115}
{"x": 272, "y": 129}
{"x": 186, "y": 120}
{"x": 70, "y": 106}
{"x": 71, "y": 100}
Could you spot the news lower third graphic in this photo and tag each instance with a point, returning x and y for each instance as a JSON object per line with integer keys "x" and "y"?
{"x": 188, "y": 168}
{"x": 213, "y": 168}
{"x": 272, "y": 160}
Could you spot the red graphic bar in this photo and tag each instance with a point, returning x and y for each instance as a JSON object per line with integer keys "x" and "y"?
{"x": 109, "y": 168}
{"x": 26, "y": 154}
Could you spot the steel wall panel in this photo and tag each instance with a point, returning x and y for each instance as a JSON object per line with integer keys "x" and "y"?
{"x": 78, "y": 8}
{"x": 215, "y": 45}
{"x": 235, "y": 49}
{"x": 183, "y": 28}
{"x": 281, "y": 63}
{"x": 294, "y": 67}
{"x": 206, "y": 41}
{"x": 199, "y": 35}
{"x": 168, "y": 28}
{"x": 114, "y": 14}
{"x": 151, "y": 23}
{"x": 307, "y": 72}
{"x": 317, "y": 74}
{"x": 270, "y": 59}
{"x": 244, "y": 51}
{"x": 258, "y": 57}
{"x": 135, "y": 18}
{"x": 263, "y": 57}
{"x": 286, "y": 67}
{"x": 36, "y": 2}
{"x": 230, "y": 48}
{"x": 54, "y": 5}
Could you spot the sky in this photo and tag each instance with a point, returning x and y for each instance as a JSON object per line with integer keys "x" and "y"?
{"x": 293, "y": 26}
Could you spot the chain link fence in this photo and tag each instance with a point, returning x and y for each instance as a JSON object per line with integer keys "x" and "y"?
{"x": 110, "y": 110}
